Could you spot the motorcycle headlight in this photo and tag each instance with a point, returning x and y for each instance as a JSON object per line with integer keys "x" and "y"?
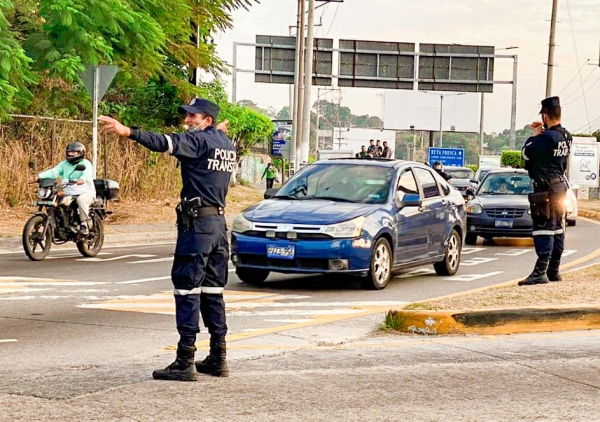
{"x": 44, "y": 193}
{"x": 474, "y": 209}
{"x": 241, "y": 224}
{"x": 351, "y": 228}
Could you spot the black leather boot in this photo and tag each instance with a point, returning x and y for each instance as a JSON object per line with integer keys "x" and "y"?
{"x": 182, "y": 369}
{"x": 553, "y": 273}
{"x": 538, "y": 276}
{"x": 215, "y": 363}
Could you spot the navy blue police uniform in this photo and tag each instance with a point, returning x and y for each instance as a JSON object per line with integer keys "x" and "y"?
{"x": 200, "y": 267}
{"x": 546, "y": 157}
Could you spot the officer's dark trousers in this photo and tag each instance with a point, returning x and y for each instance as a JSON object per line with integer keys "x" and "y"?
{"x": 549, "y": 230}
{"x": 199, "y": 276}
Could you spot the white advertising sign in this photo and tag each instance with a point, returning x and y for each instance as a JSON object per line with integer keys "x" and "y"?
{"x": 583, "y": 162}
{"x": 489, "y": 161}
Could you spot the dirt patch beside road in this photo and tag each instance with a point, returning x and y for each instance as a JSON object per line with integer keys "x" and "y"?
{"x": 581, "y": 287}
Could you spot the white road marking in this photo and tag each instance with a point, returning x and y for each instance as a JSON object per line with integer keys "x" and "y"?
{"x": 473, "y": 277}
{"x": 363, "y": 304}
{"x": 147, "y": 261}
{"x": 514, "y": 252}
{"x": 568, "y": 252}
{"x": 146, "y": 280}
{"x": 283, "y": 321}
{"x": 8, "y": 340}
{"x": 417, "y": 272}
{"x": 477, "y": 261}
{"x": 115, "y": 258}
{"x": 78, "y": 255}
{"x": 468, "y": 251}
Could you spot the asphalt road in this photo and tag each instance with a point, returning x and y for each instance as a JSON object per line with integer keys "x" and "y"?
{"x": 86, "y": 325}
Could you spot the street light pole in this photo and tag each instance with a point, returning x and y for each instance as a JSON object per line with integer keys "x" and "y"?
{"x": 308, "y": 74}
{"x": 441, "y": 117}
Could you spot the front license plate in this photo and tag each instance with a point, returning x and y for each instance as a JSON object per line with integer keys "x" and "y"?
{"x": 281, "y": 251}
{"x": 504, "y": 223}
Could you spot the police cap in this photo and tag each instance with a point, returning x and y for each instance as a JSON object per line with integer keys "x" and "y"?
{"x": 199, "y": 105}
{"x": 550, "y": 103}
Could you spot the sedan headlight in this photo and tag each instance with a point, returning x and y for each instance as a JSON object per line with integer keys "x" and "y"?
{"x": 351, "y": 228}
{"x": 241, "y": 224}
{"x": 474, "y": 209}
{"x": 44, "y": 193}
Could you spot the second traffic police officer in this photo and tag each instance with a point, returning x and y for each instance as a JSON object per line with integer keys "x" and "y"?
{"x": 199, "y": 272}
{"x": 546, "y": 154}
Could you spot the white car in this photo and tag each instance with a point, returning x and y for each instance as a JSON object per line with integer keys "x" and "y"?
{"x": 571, "y": 203}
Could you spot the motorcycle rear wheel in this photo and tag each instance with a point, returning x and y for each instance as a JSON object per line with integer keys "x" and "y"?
{"x": 91, "y": 244}
{"x": 37, "y": 238}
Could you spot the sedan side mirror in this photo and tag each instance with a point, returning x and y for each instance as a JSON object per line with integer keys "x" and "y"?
{"x": 269, "y": 193}
{"x": 410, "y": 200}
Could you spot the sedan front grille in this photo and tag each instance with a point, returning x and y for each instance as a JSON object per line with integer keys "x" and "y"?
{"x": 301, "y": 263}
{"x": 505, "y": 212}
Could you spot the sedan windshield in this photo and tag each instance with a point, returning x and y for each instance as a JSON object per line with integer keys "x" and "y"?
{"x": 460, "y": 173}
{"x": 506, "y": 184}
{"x": 344, "y": 183}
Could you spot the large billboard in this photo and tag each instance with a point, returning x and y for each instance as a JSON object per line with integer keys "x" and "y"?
{"x": 377, "y": 64}
{"x": 406, "y": 110}
{"x": 455, "y": 67}
{"x": 275, "y": 60}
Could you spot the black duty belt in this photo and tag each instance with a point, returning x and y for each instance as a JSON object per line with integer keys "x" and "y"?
{"x": 555, "y": 180}
{"x": 205, "y": 211}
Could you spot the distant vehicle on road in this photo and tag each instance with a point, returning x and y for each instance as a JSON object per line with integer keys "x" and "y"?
{"x": 500, "y": 207}
{"x": 364, "y": 218}
{"x": 461, "y": 178}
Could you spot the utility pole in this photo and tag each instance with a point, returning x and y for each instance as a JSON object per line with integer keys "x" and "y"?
{"x": 551, "y": 46}
{"x": 298, "y": 86}
{"x": 308, "y": 73}
{"x": 441, "y": 116}
{"x": 513, "y": 111}
{"x": 481, "y": 120}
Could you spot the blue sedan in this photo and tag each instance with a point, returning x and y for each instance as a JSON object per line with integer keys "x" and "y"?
{"x": 366, "y": 218}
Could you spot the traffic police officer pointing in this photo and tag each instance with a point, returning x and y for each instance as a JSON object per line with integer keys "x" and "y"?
{"x": 199, "y": 271}
{"x": 546, "y": 154}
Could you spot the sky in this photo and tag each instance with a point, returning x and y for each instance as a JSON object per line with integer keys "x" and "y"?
{"x": 500, "y": 23}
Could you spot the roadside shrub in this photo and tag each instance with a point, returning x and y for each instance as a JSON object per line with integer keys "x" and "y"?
{"x": 473, "y": 167}
{"x": 512, "y": 159}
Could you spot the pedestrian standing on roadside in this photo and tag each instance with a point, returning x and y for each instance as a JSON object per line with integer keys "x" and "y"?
{"x": 199, "y": 272}
{"x": 546, "y": 154}
{"x": 378, "y": 149}
{"x": 387, "y": 152}
{"x": 271, "y": 173}
{"x": 363, "y": 152}
{"x": 372, "y": 149}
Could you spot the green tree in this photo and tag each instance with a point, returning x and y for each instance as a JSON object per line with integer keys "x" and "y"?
{"x": 150, "y": 40}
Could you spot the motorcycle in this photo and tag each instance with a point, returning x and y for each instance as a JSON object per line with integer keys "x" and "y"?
{"x": 57, "y": 219}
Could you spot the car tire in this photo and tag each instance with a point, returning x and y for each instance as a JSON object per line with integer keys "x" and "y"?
{"x": 471, "y": 239}
{"x": 449, "y": 265}
{"x": 252, "y": 276}
{"x": 380, "y": 270}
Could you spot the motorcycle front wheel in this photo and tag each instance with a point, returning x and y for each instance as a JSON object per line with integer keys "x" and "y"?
{"x": 37, "y": 238}
{"x": 91, "y": 244}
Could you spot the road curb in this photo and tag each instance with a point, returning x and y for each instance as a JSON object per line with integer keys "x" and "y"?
{"x": 497, "y": 321}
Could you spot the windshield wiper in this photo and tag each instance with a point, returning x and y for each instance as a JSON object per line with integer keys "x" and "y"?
{"x": 293, "y": 198}
{"x": 331, "y": 198}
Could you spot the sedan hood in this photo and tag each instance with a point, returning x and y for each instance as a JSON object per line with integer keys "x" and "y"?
{"x": 503, "y": 201}
{"x": 461, "y": 182}
{"x": 308, "y": 211}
